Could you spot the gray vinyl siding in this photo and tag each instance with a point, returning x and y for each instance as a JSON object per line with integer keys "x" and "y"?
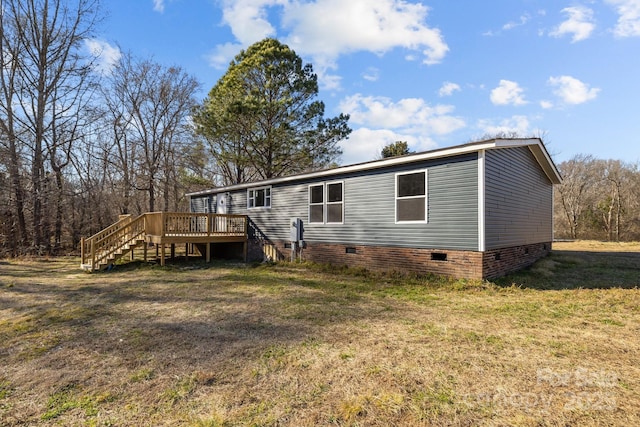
{"x": 369, "y": 208}
{"x": 519, "y": 199}
{"x": 202, "y": 204}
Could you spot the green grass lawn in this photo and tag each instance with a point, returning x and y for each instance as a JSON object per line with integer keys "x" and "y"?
{"x": 302, "y": 345}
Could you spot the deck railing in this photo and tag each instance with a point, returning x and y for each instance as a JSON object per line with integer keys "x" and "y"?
{"x": 104, "y": 246}
{"x": 184, "y": 224}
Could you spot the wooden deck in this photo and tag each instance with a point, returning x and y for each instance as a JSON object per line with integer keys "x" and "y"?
{"x": 161, "y": 229}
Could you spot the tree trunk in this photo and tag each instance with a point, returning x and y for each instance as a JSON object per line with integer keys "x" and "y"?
{"x": 57, "y": 236}
{"x": 16, "y": 184}
{"x": 152, "y": 194}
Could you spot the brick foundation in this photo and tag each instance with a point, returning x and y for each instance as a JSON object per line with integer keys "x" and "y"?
{"x": 499, "y": 262}
{"x": 467, "y": 264}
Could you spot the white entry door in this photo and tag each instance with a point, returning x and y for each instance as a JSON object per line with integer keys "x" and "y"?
{"x": 221, "y": 203}
{"x": 221, "y": 208}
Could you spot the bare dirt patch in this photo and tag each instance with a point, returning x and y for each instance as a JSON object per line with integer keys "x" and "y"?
{"x": 226, "y": 345}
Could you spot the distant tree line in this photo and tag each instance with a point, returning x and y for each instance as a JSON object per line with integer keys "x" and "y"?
{"x": 598, "y": 199}
{"x": 80, "y": 146}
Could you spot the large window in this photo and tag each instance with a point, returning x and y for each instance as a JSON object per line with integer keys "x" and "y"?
{"x": 411, "y": 197}
{"x": 259, "y": 197}
{"x": 326, "y": 203}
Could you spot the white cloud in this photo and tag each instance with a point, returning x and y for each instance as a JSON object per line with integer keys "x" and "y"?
{"x": 328, "y": 81}
{"x": 409, "y": 115}
{"x": 248, "y": 19}
{"x": 513, "y": 24}
{"x": 520, "y": 22}
{"x": 223, "y": 54}
{"x": 107, "y": 55}
{"x": 571, "y": 90}
{"x": 158, "y": 5}
{"x": 372, "y": 74}
{"x": 448, "y": 88}
{"x": 579, "y": 23}
{"x": 546, "y": 104}
{"x": 518, "y": 125}
{"x": 326, "y": 29}
{"x": 508, "y": 93}
{"x": 381, "y": 121}
{"x": 365, "y": 144}
{"x": 629, "y": 21}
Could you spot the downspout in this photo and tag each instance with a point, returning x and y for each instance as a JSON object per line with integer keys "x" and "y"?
{"x": 553, "y": 217}
{"x": 481, "y": 201}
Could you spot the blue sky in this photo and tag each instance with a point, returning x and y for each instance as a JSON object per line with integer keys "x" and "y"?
{"x": 434, "y": 73}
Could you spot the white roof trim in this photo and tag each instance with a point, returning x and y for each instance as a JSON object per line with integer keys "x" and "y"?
{"x": 534, "y": 144}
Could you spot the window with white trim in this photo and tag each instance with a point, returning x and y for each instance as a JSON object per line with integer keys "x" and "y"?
{"x": 411, "y": 197}
{"x": 316, "y": 204}
{"x": 326, "y": 203}
{"x": 335, "y": 203}
{"x": 259, "y": 197}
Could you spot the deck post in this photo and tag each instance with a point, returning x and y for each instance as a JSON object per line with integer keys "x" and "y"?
{"x": 186, "y": 252}
{"x": 162, "y": 255}
{"x": 93, "y": 255}
{"x": 145, "y": 251}
{"x": 82, "y": 250}
{"x": 208, "y": 252}
{"x": 245, "y": 248}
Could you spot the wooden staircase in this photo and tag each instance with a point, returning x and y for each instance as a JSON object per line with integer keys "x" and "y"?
{"x": 159, "y": 228}
{"x": 107, "y": 246}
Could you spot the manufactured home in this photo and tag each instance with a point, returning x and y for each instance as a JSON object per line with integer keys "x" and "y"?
{"x": 478, "y": 210}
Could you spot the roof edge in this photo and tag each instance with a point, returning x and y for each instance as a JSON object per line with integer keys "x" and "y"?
{"x": 535, "y": 145}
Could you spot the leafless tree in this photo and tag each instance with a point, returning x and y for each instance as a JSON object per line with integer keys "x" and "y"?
{"x": 45, "y": 84}
{"x": 148, "y": 110}
{"x": 572, "y": 193}
{"x": 598, "y": 199}
{"x": 11, "y": 49}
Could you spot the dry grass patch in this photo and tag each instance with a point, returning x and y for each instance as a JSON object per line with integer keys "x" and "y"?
{"x": 298, "y": 345}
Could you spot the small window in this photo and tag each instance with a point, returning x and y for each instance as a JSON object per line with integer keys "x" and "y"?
{"x": 411, "y": 197}
{"x": 316, "y": 203}
{"x": 259, "y": 197}
{"x": 334, "y": 202}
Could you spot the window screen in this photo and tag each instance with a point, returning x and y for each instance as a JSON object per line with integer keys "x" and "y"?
{"x": 411, "y": 197}
{"x": 334, "y": 202}
{"x": 316, "y": 204}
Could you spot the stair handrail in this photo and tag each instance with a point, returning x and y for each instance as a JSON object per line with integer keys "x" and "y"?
{"x": 106, "y": 242}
